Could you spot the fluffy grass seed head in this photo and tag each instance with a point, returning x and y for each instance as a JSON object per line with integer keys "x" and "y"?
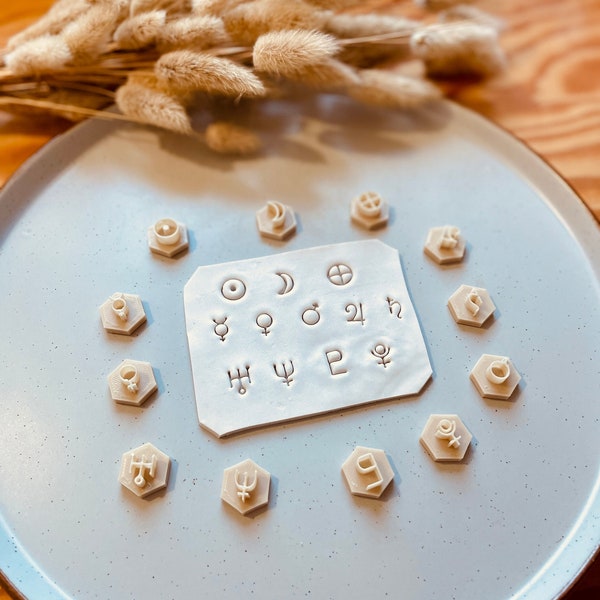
{"x": 52, "y": 23}
{"x": 392, "y": 90}
{"x": 140, "y": 31}
{"x": 153, "y": 107}
{"x": 247, "y": 21}
{"x": 193, "y": 32}
{"x": 186, "y": 70}
{"x": 89, "y": 35}
{"x": 290, "y": 53}
{"x": 304, "y": 57}
{"x": 458, "y": 49}
{"x": 44, "y": 54}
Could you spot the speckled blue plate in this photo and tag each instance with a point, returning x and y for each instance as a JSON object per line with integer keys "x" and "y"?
{"x": 519, "y": 517}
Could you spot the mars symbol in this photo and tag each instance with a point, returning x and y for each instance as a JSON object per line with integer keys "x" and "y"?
{"x": 301, "y": 333}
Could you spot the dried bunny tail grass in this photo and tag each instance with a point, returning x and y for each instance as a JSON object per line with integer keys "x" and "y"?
{"x": 391, "y": 90}
{"x": 226, "y": 138}
{"x": 367, "y": 25}
{"x": 458, "y": 49}
{"x": 290, "y": 53}
{"x": 371, "y": 38}
{"x": 246, "y": 22}
{"x": 198, "y": 32}
{"x": 140, "y": 30}
{"x": 185, "y": 70}
{"x": 74, "y": 100}
{"x": 44, "y": 54}
{"x": 329, "y": 74}
{"x": 213, "y": 7}
{"x": 465, "y": 12}
{"x": 153, "y": 107}
{"x": 335, "y": 4}
{"x": 137, "y": 7}
{"x": 90, "y": 34}
{"x": 52, "y": 23}
{"x": 439, "y": 4}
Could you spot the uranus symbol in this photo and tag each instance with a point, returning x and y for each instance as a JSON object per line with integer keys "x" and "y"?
{"x": 288, "y": 283}
{"x": 311, "y": 316}
{"x": 220, "y": 328}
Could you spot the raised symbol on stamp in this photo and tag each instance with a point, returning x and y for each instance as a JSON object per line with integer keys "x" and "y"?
{"x": 243, "y": 487}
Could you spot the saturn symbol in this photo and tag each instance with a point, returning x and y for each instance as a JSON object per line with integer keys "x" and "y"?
{"x": 288, "y": 283}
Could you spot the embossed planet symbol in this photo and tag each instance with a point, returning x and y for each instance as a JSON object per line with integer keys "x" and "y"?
{"x": 233, "y": 289}
{"x": 340, "y": 274}
{"x": 287, "y": 283}
{"x": 311, "y": 315}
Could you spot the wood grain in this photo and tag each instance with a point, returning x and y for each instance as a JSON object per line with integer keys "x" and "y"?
{"x": 549, "y": 97}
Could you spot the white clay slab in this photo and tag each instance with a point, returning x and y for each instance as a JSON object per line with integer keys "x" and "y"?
{"x": 301, "y": 333}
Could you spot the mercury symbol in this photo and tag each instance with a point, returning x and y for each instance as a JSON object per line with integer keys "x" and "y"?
{"x": 288, "y": 283}
{"x": 221, "y": 329}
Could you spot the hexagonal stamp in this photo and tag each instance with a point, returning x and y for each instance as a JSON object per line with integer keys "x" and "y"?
{"x": 144, "y": 470}
{"x": 122, "y": 313}
{"x": 132, "y": 382}
{"x": 495, "y": 377}
{"x": 369, "y": 210}
{"x": 276, "y": 221}
{"x": 246, "y": 486}
{"x": 446, "y": 438}
{"x": 367, "y": 472}
{"x": 445, "y": 244}
{"x": 167, "y": 237}
{"x": 471, "y": 305}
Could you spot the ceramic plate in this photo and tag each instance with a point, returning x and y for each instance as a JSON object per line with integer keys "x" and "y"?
{"x": 518, "y": 517}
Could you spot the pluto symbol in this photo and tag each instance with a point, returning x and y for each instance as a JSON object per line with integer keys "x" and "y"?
{"x": 288, "y": 283}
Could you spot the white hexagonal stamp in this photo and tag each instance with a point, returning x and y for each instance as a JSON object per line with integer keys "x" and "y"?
{"x": 167, "y": 237}
{"x": 276, "y": 220}
{"x": 369, "y": 210}
{"x": 367, "y": 472}
{"x": 446, "y": 438}
{"x": 471, "y": 305}
{"x": 445, "y": 244}
{"x": 144, "y": 470}
{"x": 122, "y": 313}
{"x": 246, "y": 486}
{"x": 495, "y": 377}
{"x": 132, "y": 382}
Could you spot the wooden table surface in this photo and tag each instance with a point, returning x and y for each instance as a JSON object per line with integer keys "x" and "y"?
{"x": 549, "y": 97}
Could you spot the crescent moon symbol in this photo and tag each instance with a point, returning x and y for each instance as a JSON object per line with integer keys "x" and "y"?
{"x": 288, "y": 283}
